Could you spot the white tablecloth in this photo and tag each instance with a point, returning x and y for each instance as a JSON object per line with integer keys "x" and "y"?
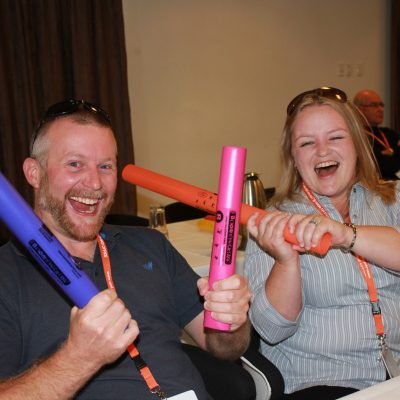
{"x": 193, "y": 239}
{"x": 388, "y": 390}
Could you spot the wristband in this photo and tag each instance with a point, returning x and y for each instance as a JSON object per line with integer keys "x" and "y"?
{"x": 352, "y": 226}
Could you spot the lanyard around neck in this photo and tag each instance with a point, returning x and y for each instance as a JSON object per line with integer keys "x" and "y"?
{"x": 384, "y": 141}
{"x": 365, "y": 272}
{"x": 140, "y": 364}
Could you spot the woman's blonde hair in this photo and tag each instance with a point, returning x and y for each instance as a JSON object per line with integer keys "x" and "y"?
{"x": 367, "y": 172}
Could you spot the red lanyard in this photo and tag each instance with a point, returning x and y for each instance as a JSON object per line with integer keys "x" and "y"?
{"x": 384, "y": 142}
{"x": 365, "y": 271}
{"x": 142, "y": 367}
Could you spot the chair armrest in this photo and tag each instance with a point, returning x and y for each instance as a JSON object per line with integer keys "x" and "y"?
{"x": 263, "y": 388}
{"x": 267, "y": 377}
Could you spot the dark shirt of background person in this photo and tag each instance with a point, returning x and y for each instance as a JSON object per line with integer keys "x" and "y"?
{"x": 385, "y": 141}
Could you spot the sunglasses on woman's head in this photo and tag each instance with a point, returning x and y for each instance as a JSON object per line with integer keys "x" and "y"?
{"x": 324, "y": 91}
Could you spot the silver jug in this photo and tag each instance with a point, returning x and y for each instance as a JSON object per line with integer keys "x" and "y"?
{"x": 253, "y": 191}
{"x": 254, "y": 195}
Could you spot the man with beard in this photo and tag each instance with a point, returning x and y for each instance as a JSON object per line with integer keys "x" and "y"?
{"x": 385, "y": 141}
{"x": 47, "y": 350}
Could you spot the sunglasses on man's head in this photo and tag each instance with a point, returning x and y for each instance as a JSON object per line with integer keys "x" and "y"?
{"x": 69, "y": 107}
{"x": 324, "y": 91}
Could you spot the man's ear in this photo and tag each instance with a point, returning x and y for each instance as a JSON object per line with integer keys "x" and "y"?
{"x": 32, "y": 173}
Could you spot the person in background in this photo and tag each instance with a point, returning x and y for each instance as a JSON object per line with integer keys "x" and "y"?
{"x": 47, "y": 350}
{"x": 385, "y": 141}
{"x": 318, "y": 317}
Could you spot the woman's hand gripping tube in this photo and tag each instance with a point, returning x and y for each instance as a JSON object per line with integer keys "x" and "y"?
{"x": 44, "y": 246}
{"x": 226, "y": 228}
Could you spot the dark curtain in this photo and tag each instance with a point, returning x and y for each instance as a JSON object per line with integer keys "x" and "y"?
{"x": 395, "y": 65}
{"x": 51, "y": 50}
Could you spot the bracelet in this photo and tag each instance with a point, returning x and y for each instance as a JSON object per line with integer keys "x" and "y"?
{"x": 352, "y": 226}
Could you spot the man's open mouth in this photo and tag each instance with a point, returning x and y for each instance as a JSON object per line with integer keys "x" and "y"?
{"x": 85, "y": 205}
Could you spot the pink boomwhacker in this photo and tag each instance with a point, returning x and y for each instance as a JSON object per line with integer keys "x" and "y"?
{"x": 226, "y": 228}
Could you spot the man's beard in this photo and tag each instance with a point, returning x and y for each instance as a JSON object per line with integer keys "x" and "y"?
{"x": 57, "y": 209}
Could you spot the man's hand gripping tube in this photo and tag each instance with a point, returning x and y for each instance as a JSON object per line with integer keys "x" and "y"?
{"x": 44, "y": 246}
{"x": 201, "y": 198}
{"x": 226, "y": 227}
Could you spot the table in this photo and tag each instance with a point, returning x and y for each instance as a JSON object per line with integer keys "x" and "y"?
{"x": 193, "y": 239}
{"x": 388, "y": 390}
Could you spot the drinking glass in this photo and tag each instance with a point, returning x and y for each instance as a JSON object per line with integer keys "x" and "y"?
{"x": 157, "y": 219}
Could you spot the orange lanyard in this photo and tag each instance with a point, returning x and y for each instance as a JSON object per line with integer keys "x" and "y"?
{"x": 142, "y": 367}
{"x": 384, "y": 142}
{"x": 365, "y": 271}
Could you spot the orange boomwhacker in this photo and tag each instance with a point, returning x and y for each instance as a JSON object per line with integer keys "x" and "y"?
{"x": 200, "y": 198}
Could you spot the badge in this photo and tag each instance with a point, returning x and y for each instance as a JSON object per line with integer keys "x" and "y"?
{"x": 391, "y": 365}
{"x": 189, "y": 395}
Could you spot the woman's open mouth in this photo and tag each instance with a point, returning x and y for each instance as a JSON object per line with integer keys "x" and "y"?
{"x": 326, "y": 168}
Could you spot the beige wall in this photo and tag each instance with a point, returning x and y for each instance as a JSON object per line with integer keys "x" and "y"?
{"x": 208, "y": 73}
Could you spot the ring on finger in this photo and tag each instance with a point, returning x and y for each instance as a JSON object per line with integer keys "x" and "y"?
{"x": 314, "y": 222}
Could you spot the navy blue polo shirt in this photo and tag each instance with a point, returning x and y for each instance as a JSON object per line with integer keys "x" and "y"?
{"x": 151, "y": 277}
